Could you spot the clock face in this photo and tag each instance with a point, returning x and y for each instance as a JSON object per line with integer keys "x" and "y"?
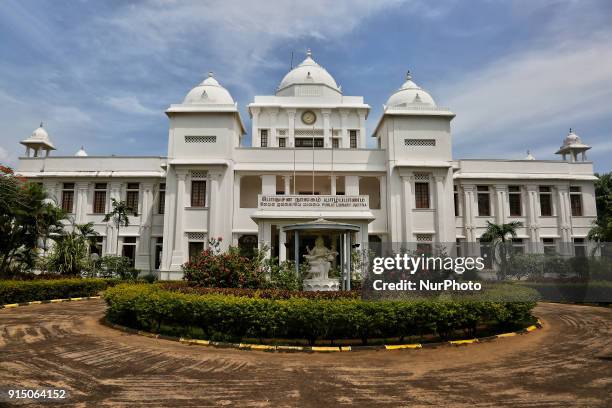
{"x": 309, "y": 117}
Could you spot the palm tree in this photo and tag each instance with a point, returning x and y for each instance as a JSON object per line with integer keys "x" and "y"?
{"x": 499, "y": 235}
{"x": 119, "y": 215}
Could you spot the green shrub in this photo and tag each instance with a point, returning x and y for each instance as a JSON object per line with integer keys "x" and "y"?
{"x": 14, "y": 291}
{"x": 226, "y": 317}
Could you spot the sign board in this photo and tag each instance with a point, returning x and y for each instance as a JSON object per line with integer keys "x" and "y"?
{"x": 313, "y": 202}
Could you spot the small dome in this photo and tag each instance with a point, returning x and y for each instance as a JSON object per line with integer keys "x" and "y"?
{"x": 309, "y": 72}
{"x": 81, "y": 153}
{"x": 209, "y": 92}
{"x": 571, "y": 139}
{"x": 40, "y": 134}
{"x": 410, "y": 94}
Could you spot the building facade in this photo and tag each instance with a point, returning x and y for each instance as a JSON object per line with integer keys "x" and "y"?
{"x": 309, "y": 160}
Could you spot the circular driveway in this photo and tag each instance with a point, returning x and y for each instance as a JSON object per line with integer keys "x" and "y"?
{"x": 567, "y": 363}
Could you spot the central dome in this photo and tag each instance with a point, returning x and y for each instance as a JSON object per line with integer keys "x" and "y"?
{"x": 309, "y": 72}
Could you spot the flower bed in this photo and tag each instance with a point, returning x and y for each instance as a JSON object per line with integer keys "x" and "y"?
{"x": 234, "y": 318}
{"x": 19, "y": 291}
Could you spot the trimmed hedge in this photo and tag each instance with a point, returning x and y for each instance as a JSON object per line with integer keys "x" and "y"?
{"x": 16, "y": 291}
{"x": 233, "y": 318}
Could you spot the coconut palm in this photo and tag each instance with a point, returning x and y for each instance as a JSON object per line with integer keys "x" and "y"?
{"x": 119, "y": 216}
{"x": 499, "y": 235}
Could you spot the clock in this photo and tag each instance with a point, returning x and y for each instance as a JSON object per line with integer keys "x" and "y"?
{"x": 309, "y": 117}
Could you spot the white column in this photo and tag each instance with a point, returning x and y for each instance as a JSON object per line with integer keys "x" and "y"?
{"x": 501, "y": 212}
{"x": 143, "y": 258}
{"x": 362, "y": 130}
{"x": 236, "y": 217}
{"x": 407, "y": 207}
{"x": 272, "y": 138}
{"x": 215, "y": 211}
{"x": 80, "y": 205}
{"x": 255, "y": 137}
{"x": 344, "y": 142}
{"x": 112, "y": 234}
{"x": 333, "y": 180}
{"x": 440, "y": 209}
{"x": 326, "y": 127}
{"x": 177, "y": 251}
{"x": 351, "y": 185}
{"x": 469, "y": 216}
{"x": 268, "y": 184}
{"x": 282, "y": 249}
{"x": 533, "y": 213}
{"x": 564, "y": 217}
{"x": 291, "y": 117}
{"x": 287, "y": 181}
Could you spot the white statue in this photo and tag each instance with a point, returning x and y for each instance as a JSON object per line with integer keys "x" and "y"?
{"x": 319, "y": 258}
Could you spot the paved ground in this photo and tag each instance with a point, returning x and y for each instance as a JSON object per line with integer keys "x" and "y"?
{"x": 567, "y": 363}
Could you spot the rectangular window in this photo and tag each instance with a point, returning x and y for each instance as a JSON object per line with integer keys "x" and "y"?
{"x": 99, "y": 205}
{"x": 335, "y": 143}
{"x": 546, "y": 209}
{"x": 518, "y": 246}
{"x": 68, "y": 197}
{"x": 129, "y": 249}
{"x": 576, "y": 201}
{"x": 195, "y": 249}
{"x": 484, "y": 201}
{"x": 159, "y": 245}
{"x": 549, "y": 245}
{"x": 131, "y": 200}
{"x": 456, "y": 200}
{"x": 353, "y": 138}
{"x": 161, "y": 202}
{"x": 282, "y": 142}
{"x": 264, "y": 137}
{"x": 198, "y": 193}
{"x": 307, "y": 142}
{"x": 95, "y": 246}
{"x": 514, "y": 197}
{"x": 579, "y": 247}
{"x": 421, "y": 195}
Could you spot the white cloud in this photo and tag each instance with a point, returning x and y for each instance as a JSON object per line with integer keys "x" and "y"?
{"x": 522, "y": 92}
{"x": 129, "y": 104}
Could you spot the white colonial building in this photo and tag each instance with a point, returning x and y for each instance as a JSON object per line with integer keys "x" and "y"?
{"x": 309, "y": 159}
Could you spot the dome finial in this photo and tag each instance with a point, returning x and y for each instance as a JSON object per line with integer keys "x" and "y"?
{"x": 211, "y": 74}
{"x": 408, "y": 75}
{"x": 571, "y": 131}
{"x": 41, "y": 124}
{"x": 309, "y": 53}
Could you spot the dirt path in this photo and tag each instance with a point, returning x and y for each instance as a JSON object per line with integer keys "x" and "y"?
{"x": 567, "y": 363}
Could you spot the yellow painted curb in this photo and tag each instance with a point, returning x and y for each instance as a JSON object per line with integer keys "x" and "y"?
{"x": 290, "y": 348}
{"x": 507, "y": 335}
{"x": 457, "y": 342}
{"x": 94, "y": 297}
{"x": 261, "y": 347}
{"x": 325, "y": 349}
{"x": 403, "y": 346}
{"x": 35, "y": 302}
{"x": 531, "y": 328}
{"x": 345, "y": 348}
{"x": 73, "y": 299}
{"x": 57, "y": 300}
{"x": 194, "y": 341}
{"x": 11, "y": 305}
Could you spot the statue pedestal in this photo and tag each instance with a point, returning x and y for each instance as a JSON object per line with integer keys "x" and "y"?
{"x": 318, "y": 279}
{"x": 323, "y": 284}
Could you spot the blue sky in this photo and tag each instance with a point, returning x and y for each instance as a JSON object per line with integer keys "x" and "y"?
{"x": 518, "y": 74}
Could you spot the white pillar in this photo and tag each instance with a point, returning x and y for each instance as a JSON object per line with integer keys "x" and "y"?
{"x": 344, "y": 142}
{"x": 565, "y": 215}
{"x": 287, "y": 181}
{"x": 407, "y": 208}
{"x": 112, "y": 234}
{"x": 362, "y": 130}
{"x": 268, "y": 184}
{"x": 501, "y": 202}
{"x": 282, "y": 249}
{"x": 533, "y": 213}
{"x": 469, "y": 216}
{"x": 177, "y": 251}
{"x": 440, "y": 209}
{"x": 351, "y": 185}
{"x": 143, "y": 257}
{"x": 326, "y": 128}
{"x": 255, "y": 137}
{"x": 80, "y": 208}
{"x": 291, "y": 117}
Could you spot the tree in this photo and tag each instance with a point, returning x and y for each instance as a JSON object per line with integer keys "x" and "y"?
{"x": 87, "y": 231}
{"x": 602, "y": 226}
{"x": 26, "y": 215}
{"x": 119, "y": 216}
{"x": 499, "y": 235}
